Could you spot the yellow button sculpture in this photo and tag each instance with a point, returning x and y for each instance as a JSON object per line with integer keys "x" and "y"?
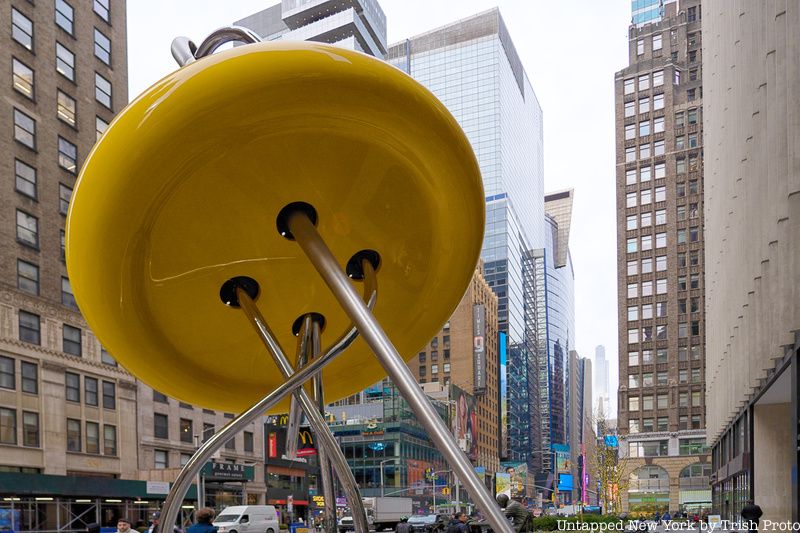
{"x": 183, "y": 191}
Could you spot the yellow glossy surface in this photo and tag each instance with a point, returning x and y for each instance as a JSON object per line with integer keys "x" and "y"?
{"x": 183, "y": 190}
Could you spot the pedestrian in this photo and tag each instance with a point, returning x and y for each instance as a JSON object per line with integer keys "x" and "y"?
{"x": 123, "y": 525}
{"x": 404, "y": 526}
{"x": 203, "y": 518}
{"x": 666, "y": 518}
{"x": 154, "y": 521}
{"x": 657, "y": 518}
{"x": 751, "y": 514}
{"x": 458, "y": 524}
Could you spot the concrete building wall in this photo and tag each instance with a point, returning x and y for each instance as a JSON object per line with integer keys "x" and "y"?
{"x": 772, "y": 455}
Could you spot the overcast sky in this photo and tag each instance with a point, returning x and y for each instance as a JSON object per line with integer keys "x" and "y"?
{"x": 570, "y": 50}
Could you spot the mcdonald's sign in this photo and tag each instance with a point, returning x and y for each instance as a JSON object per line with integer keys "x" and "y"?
{"x": 306, "y": 445}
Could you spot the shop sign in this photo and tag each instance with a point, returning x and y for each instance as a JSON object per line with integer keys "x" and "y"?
{"x": 158, "y": 487}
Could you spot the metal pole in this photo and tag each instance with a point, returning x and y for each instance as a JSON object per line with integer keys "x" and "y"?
{"x": 326, "y": 264}
{"x": 173, "y": 502}
{"x": 200, "y": 499}
{"x": 318, "y": 425}
{"x": 383, "y": 491}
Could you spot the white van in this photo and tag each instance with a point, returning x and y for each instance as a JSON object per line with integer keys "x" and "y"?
{"x": 248, "y": 519}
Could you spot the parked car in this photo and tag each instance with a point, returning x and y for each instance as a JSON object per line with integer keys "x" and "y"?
{"x": 429, "y": 522}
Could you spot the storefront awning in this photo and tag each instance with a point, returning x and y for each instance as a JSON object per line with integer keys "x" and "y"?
{"x": 16, "y": 484}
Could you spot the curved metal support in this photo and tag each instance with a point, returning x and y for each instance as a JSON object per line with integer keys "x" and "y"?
{"x": 173, "y": 502}
{"x": 318, "y": 425}
{"x": 224, "y": 35}
{"x": 185, "y": 51}
{"x": 312, "y": 244}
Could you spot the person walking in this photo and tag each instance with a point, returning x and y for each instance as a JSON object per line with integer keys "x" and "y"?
{"x": 404, "y": 526}
{"x": 203, "y": 523}
{"x": 123, "y": 525}
{"x": 458, "y": 524}
{"x": 751, "y": 514}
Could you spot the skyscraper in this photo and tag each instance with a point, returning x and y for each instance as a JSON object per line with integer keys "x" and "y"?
{"x": 601, "y": 384}
{"x": 646, "y": 11}
{"x": 472, "y": 66}
{"x": 752, "y": 216}
{"x": 660, "y": 263}
{"x": 352, "y": 24}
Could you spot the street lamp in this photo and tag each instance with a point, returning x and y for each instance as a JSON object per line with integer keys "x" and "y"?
{"x": 382, "y": 463}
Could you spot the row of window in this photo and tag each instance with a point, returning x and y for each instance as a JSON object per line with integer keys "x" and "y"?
{"x": 646, "y": 402}
{"x": 662, "y": 378}
{"x": 646, "y": 424}
{"x": 644, "y": 128}
{"x": 645, "y": 220}
{"x": 8, "y": 427}
{"x": 30, "y": 331}
{"x": 646, "y": 357}
{"x": 28, "y": 226}
{"x": 434, "y": 369}
{"x": 28, "y": 281}
{"x": 692, "y": 305}
{"x": 91, "y": 444}
{"x": 645, "y": 242}
{"x": 22, "y": 29}
{"x": 646, "y": 197}
{"x": 645, "y": 288}
{"x": 644, "y": 81}
{"x": 187, "y": 435}
{"x": 91, "y": 392}
{"x": 659, "y": 448}
{"x": 645, "y": 151}
{"x": 23, "y": 81}
{"x": 644, "y": 173}
{"x": 28, "y": 373}
{"x": 423, "y": 356}
{"x": 644, "y": 105}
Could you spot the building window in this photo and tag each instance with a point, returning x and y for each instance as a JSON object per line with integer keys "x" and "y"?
{"x": 63, "y": 245}
{"x": 633, "y": 268}
{"x": 29, "y": 329}
{"x": 644, "y": 128}
{"x": 630, "y": 132}
{"x": 434, "y": 369}
{"x": 647, "y": 242}
{"x": 632, "y": 245}
{"x": 64, "y": 16}
{"x": 657, "y": 42}
{"x": 677, "y": 74}
{"x": 101, "y": 7}
{"x": 25, "y": 178}
{"x": 696, "y": 400}
{"x": 630, "y": 199}
{"x": 691, "y": 93}
{"x": 661, "y": 238}
{"x": 633, "y": 336}
{"x": 629, "y": 85}
{"x": 680, "y": 142}
{"x": 109, "y": 440}
{"x": 692, "y": 446}
{"x": 160, "y": 459}
{"x": 630, "y": 109}
{"x": 633, "y": 426}
{"x": 100, "y": 126}
{"x": 644, "y": 82}
{"x": 631, "y": 222}
{"x": 647, "y": 311}
{"x": 640, "y": 47}
{"x": 658, "y": 78}
{"x": 67, "y": 298}
{"x": 90, "y": 391}
{"x": 67, "y": 156}
{"x": 647, "y": 219}
{"x": 694, "y": 234}
{"x": 630, "y": 154}
{"x": 646, "y": 196}
{"x": 692, "y": 140}
{"x": 30, "y": 377}
{"x": 102, "y": 47}
{"x": 66, "y": 108}
{"x": 30, "y": 429}
{"x": 633, "y": 381}
{"x": 661, "y": 195}
{"x": 65, "y": 62}
{"x": 644, "y": 105}
{"x": 647, "y": 402}
{"x": 92, "y": 437}
{"x": 696, "y": 422}
{"x": 160, "y": 426}
{"x": 185, "y": 459}
{"x": 633, "y": 358}
{"x": 102, "y": 90}
{"x": 27, "y": 277}
{"x": 208, "y": 431}
{"x": 8, "y": 377}
{"x": 647, "y": 288}
{"x": 633, "y": 290}
{"x": 633, "y": 403}
{"x": 24, "y": 129}
{"x": 691, "y": 14}
{"x": 21, "y": 29}
{"x": 662, "y": 423}
{"x": 658, "y": 147}
{"x": 658, "y": 127}
{"x": 230, "y": 444}
{"x": 694, "y": 281}
{"x": 160, "y": 398}
{"x": 64, "y": 196}
{"x": 22, "y": 78}
{"x": 73, "y": 387}
{"x": 8, "y": 426}
{"x": 109, "y": 395}
{"x": 661, "y": 286}
{"x": 248, "y": 441}
{"x": 660, "y": 170}
{"x": 73, "y": 435}
{"x": 645, "y": 173}
{"x": 187, "y": 433}
{"x": 683, "y": 422}
{"x": 647, "y": 265}
{"x": 72, "y": 340}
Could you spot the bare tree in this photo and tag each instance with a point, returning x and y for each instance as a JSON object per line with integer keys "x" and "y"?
{"x": 613, "y": 472}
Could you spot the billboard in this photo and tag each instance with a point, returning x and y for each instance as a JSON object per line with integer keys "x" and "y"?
{"x": 562, "y": 457}
{"x": 503, "y": 403}
{"x": 479, "y": 348}
{"x": 502, "y": 484}
{"x": 464, "y": 421}
{"x": 518, "y": 479}
{"x": 565, "y": 483}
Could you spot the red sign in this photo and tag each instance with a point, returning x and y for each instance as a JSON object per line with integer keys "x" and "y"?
{"x": 273, "y": 445}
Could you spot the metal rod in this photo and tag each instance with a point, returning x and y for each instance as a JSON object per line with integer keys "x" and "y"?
{"x": 224, "y": 35}
{"x": 318, "y": 425}
{"x": 175, "y": 497}
{"x": 325, "y": 263}
{"x": 326, "y": 477}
